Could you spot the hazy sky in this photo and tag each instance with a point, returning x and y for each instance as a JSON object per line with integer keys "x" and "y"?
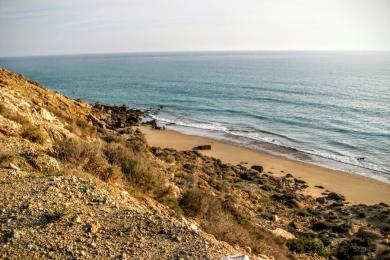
{"x": 33, "y": 27}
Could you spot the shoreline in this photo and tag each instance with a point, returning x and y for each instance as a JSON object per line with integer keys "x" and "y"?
{"x": 356, "y": 188}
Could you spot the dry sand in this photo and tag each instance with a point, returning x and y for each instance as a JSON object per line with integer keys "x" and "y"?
{"x": 356, "y": 189}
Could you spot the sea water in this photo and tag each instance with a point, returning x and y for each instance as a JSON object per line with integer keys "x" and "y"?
{"x": 327, "y": 108}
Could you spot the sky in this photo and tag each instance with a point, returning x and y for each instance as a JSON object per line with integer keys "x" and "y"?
{"x": 46, "y": 27}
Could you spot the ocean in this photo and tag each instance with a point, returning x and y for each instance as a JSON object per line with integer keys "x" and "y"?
{"x": 325, "y": 108}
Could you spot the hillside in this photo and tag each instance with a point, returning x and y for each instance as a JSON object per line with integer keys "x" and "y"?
{"x": 80, "y": 181}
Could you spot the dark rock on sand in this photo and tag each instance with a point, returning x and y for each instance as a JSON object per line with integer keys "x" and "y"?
{"x": 153, "y": 124}
{"x": 335, "y": 196}
{"x": 258, "y": 168}
{"x": 249, "y": 175}
{"x": 202, "y": 147}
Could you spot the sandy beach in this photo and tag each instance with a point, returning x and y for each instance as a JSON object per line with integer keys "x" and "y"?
{"x": 357, "y": 189}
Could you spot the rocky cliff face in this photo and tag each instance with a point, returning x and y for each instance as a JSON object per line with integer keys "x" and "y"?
{"x": 52, "y": 208}
{"x": 79, "y": 181}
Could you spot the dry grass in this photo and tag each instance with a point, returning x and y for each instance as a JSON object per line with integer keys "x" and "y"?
{"x": 198, "y": 203}
{"x": 33, "y": 133}
{"x": 220, "y": 217}
{"x": 111, "y": 162}
{"x": 30, "y": 132}
{"x": 131, "y": 165}
{"x": 80, "y": 154}
{"x": 13, "y": 115}
{"x": 111, "y": 138}
{"x": 81, "y": 127}
{"x": 4, "y": 157}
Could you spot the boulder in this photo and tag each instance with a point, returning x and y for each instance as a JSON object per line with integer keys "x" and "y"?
{"x": 153, "y": 125}
{"x": 258, "y": 168}
{"x": 335, "y": 196}
{"x": 202, "y": 147}
{"x": 282, "y": 233}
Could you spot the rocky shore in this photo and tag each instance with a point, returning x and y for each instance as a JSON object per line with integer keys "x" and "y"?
{"x": 79, "y": 181}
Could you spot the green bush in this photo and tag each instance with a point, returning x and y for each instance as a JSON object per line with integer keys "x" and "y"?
{"x": 167, "y": 197}
{"x": 354, "y": 247}
{"x": 303, "y": 244}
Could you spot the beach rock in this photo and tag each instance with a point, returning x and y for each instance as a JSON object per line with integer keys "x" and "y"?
{"x": 249, "y": 175}
{"x": 321, "y": 200}
{"x": 289, "y": 200}
{"x": 335, "y": 196}
{"x": 116, "y": 117}
{"x": 202, "y": 147}
{"x": 153, "y": 124}
{"x": 258, "y": 168}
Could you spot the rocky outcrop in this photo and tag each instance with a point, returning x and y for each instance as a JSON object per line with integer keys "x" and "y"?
{"x": 116, "y": 117}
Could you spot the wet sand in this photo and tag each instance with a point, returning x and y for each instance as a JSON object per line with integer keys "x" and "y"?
{"x": 356, "y": 189}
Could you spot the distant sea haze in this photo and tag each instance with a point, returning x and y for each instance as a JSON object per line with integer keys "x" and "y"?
{"x": 327, "y": 108}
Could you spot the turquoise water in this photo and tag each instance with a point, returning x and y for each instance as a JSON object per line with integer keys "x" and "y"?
{"x": 328, "y": 108}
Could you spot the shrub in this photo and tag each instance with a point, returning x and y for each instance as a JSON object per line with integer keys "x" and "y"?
{"x": 167, "y": 197}
{"x": 88, "y": 156}
{"x": 74, "y": 151}
{"x": 197, "y": 203}
{"x": 224, "y": 227}
{"x": 80, "y": 127}
{"x": 221, "y": 218}
{"x": 4, "y": 157}
{"x": 34, "y": 134}
{"x": 304, "y": 244}
{"x": 111, "y": 138}
{"x": 51, "y": 172}
{"x": 114, "y": 174}
{"x": 354, "y": 247}
{"x": 131, "y": 166}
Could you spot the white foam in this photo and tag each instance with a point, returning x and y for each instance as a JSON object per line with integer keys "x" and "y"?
{"x": 344, "y": 159}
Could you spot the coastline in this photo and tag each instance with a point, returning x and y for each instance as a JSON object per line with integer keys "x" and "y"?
{"x": 357, "y": 189}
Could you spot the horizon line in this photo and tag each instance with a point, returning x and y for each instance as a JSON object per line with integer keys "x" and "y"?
{"x": 189, "y": 51}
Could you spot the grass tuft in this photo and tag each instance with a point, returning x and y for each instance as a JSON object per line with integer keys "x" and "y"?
{"x": 57, "y": 213}
{"x": 34, "y": 134}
